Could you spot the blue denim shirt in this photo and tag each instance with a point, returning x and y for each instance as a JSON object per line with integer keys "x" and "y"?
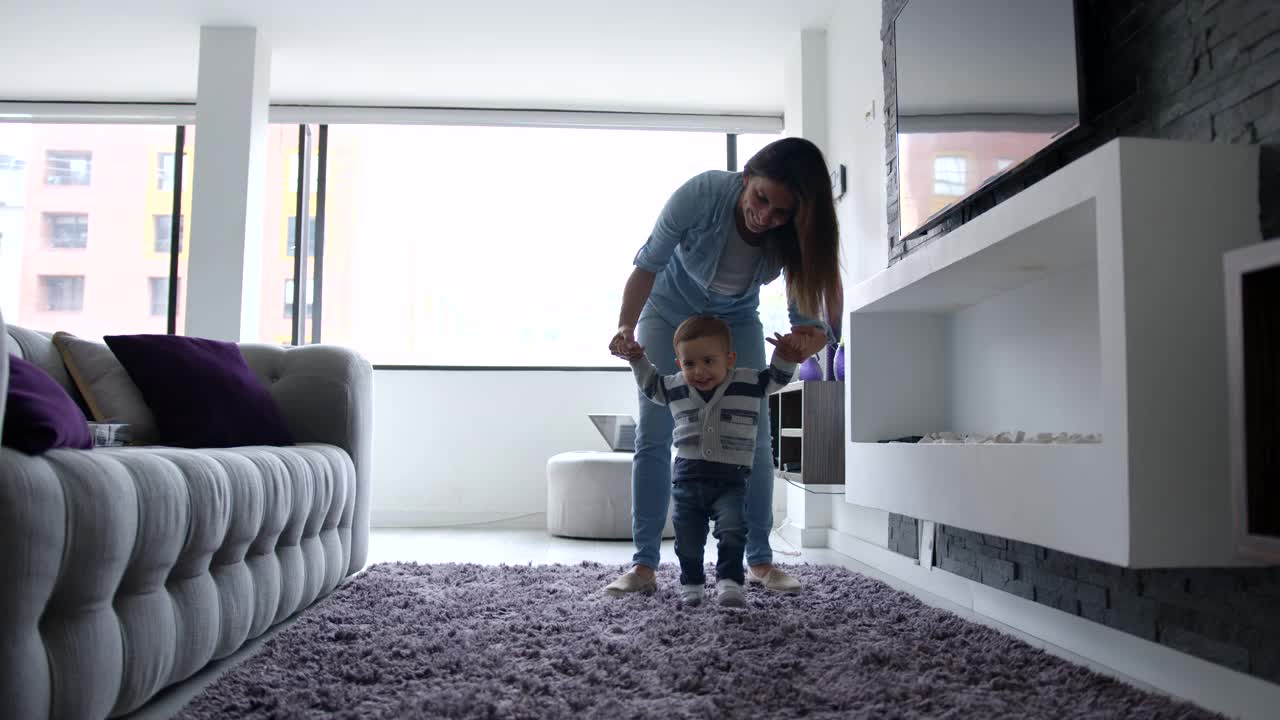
{"x": 684, "y": 250}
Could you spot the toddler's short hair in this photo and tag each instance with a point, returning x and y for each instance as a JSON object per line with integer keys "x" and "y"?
{"x": 700, "y": 326}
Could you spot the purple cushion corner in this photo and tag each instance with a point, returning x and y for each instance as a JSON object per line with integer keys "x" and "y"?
{"x": 202, "y": 392}
{"x": 39, "y": 414}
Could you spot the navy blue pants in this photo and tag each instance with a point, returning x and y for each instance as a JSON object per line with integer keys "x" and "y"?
{"x": 704, "y": 492}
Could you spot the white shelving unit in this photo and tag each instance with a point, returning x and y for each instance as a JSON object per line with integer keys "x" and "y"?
{"x": 1090, "y": 302}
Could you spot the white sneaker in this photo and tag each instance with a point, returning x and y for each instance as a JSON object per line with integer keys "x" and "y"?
{"x": 691, "y": 595}
{"x": 729, "y": 593}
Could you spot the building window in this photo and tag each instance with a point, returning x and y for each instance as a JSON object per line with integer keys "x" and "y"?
{"x": 163, "y": 228}
{"x": 62, "y": 293}
{"x": 159, "y": 287}
{"x": 291, "y": 245}
{"x": 66, "y": 167}
{"x": 164, "y": 171}
{"x": 66, "y": 230}
{"x": 288, "y": 297}
{"x": 1002, "y": 164}
{"x": 950, "y": 175}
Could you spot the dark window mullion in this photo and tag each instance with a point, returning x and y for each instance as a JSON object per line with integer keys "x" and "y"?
{"x": 175, "y": 228}
{"x": 303, "y": 236}
{"x": 731, "y": 152}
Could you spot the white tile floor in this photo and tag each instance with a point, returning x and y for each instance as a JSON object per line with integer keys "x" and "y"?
{"x": 495, "y": 546}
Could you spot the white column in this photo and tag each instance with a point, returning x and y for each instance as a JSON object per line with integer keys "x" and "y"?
{"x": 805, "y": 91}
{"x": 225, "y": 268}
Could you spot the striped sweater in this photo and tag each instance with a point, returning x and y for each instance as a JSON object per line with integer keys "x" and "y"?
{"x": 724, "y": 428}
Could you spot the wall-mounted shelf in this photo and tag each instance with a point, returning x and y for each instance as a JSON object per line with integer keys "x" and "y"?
{"x": 1090, "y": 302}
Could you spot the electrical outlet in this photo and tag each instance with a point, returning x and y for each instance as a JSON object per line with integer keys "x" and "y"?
{"x": 926, "y": 543}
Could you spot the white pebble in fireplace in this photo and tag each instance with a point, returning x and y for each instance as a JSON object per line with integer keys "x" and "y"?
{"x": 1010, "y": 438}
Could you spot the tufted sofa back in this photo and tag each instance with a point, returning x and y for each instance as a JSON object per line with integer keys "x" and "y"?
{"x": 126, "y": 570}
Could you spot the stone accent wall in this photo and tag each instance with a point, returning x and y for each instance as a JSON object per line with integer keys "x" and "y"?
{"x": 1227, "y": 616}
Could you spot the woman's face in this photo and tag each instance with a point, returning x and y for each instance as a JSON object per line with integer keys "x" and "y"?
{"x": 766, "y": 204}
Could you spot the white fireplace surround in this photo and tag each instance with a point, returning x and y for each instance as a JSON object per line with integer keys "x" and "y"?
{"x": 1091, "y": 302}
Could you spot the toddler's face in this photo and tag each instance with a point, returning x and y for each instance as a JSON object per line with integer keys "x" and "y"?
{"x": 705, "y": 361}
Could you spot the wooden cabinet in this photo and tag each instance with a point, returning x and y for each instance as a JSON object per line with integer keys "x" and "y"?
{"x": 807, "y": 428}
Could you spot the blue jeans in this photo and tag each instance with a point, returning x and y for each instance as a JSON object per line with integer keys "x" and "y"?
{"x": 718, "y": 494}
{"x": 651, "y": 470}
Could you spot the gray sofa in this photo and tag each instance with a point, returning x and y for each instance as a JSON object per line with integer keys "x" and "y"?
{"x": 126, "y": 570}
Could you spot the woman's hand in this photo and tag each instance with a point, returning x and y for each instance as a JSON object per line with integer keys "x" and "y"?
{"x": 810, "y": 339}
{"x": 624, "y": 344}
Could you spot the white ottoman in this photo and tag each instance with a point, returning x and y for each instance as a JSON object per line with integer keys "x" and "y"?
{"x": 589, "y": 496}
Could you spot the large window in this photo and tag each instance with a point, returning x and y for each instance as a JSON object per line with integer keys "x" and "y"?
{"x": 492, "y": 246}
{"x": 79, "y": 247}
{"x": 279, "y": 239}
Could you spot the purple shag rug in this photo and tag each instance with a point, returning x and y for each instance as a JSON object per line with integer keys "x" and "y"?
{"x": 474, "y": 641}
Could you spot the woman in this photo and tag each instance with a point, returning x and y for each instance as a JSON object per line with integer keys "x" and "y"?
{"x": 719, "y": 238}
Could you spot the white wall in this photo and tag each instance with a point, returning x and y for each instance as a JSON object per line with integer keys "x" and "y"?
{"x": 1030, "y": 359}
{"x": 855, "y": 137}
{"x": 468, "y": 446}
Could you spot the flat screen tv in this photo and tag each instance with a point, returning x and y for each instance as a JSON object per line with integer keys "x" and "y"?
{"x": 982, "y": 87}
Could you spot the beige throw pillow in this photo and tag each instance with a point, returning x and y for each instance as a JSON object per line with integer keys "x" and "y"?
{"x": 106, "y": 386}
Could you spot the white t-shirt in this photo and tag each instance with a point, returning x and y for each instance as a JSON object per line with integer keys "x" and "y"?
{"x": 737, "y": 268}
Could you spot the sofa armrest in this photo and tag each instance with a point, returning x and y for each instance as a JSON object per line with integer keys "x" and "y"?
{"x": 325, "y": 394}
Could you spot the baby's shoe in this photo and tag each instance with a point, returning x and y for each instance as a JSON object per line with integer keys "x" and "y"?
{"x": 691, "y": 595}
{"x": 729, "y": 593}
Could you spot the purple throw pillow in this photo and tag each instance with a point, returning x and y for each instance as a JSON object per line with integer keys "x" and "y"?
{"x": 39, "y": 415}
{"x": 202, "y": 392}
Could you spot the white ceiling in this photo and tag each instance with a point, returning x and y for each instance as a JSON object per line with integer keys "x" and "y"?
{"x": 717, "y": 56}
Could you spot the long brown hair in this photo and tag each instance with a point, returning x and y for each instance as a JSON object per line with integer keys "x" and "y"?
{"x": 808, "y": 246}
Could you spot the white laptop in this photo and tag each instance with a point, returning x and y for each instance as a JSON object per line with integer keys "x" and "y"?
{"x": 618, "y": 431}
